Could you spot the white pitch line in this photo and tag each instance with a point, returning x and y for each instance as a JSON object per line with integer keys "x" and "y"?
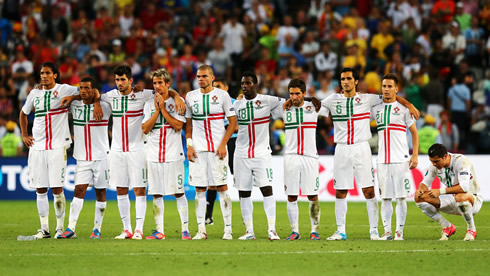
{"x": 251, "y": 253}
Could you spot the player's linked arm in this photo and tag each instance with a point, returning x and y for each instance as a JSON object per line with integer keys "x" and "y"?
{"x": 415, "y": 145}
{"x": 221, "y": 152}
{"x": 317, "y": 103}
{"x": 411, "y": 108}
{"x": 179, "y": 103}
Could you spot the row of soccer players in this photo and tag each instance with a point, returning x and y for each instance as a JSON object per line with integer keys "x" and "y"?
{"x": 158, "y": 113}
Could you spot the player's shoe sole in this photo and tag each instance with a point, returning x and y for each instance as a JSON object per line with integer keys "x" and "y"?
{"x": 337, "y": 236}
{"x": 247, "y": 236}
{"x": 470, "y": 235}
{"x": 293, "y": 236}
{"x": 314, "y": 236}
{"x": 448, "y": 232}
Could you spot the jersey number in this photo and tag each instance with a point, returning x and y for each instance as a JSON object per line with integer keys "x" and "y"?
{"x": 289, "y": 116}
{"x": 338, "y": 109}
{"x": 269, "y": 174}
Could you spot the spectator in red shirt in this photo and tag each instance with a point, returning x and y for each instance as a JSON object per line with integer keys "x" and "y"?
{"x": 152, "y": 15}
{"x": 201, "y": 31}
{"x": 443, "y": 10}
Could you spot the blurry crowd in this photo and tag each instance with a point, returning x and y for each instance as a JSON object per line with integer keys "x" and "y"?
{"x": 440, "y": 49}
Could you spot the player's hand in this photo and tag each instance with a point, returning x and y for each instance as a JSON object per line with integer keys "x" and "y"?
{"x": 157, "y": 102}
{"x": 434, "y": 193}
{"x": 191, "y": 154}
{"x": 179, "y": 105}
{"x": 239, "y": 97}
{"x": 138, "y": 88}
{"x": 98, "y": 113}
{"x": 28, "y": 140}
{"x": 287, "y": 104}
{"x": 66, "y": 101}
{"x": 39, "y": 86}
{"x": 221, "y": 152}
{"x": 414, "y": 112}
{"x": 414, "y": 161}
{"x": 97, "y": 95}
{"x": 317, "y": 103}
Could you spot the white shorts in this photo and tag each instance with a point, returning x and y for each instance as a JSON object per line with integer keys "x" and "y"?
{"x": 350, "y": 160}
{"x": 301, "y": 172}
{"x": 450, "y": 206}
{"x": 95, "y": 173}
{"x": 47, "y": 168}
{"x": 208, "y": 169}
{"x": 128, "y": 169}
{"x": 394, "y": 180}
{"x": 252, "y": 172}
{"x": 166, "y": 178}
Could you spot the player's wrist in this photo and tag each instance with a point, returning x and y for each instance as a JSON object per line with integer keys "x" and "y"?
{"x": 442, "y": 191}
{"x": 189, "y": 142}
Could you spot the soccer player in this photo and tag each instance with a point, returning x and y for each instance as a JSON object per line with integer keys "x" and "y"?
{"x": 206, "y": 136}
{"x": 252, "y": 159}
{"x": 350, "y": 112}
{"x": 460, "y": 197}
{"x": 220, "y": 83}
{"x": 394, "y": 161}
{"x": 90, "y": 150}
{"x": 47, "y": 145}
{"x": 301, "y": 168}
{"x": 165, "y": 154}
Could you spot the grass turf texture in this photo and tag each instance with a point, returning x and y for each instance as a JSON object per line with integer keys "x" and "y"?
{"x": 420, "y": 253}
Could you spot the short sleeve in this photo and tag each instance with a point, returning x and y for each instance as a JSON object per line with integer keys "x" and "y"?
{"x": 146, "y": 112}
{"x": 374, "y": 99}
{"x": 148, "y": 94}
{"x": 178, "y": 116}
{"x": 29, "y": 104}
{"x": 227, "y": 106}
{"x": 464, "y": 175}
{"x": 72, "y": 90}
{"x": 429, "y": 176}
{"x": 188, "y": 107}
{"x": 276, "y": 106}
{"x": 105, "y": 98}
{"x": 326, "y": 103}
{"x": 323, "y": 112}
{"x": 409, "y": 120}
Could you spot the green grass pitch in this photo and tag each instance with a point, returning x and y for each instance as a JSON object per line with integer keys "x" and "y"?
{"x": 420, "y": 253}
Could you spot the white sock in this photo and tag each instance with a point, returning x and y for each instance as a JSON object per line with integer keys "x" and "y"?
{"x": 293, "y": 214}
{"x": 75, "y": 208}
{"x": 433, "y": 213}
{"x": 99, "y": 214}
{"x": 43, "y": 210}
{"x": 247, "y": 207}
{"x": 401, "y": 213}
{"x": 373, "y": 213}
{"x": 59, "y": 210}
{"x": 200, "y": 202}
{"x": 340, "y": 213}
{"x": 386, "y": 213}
{"x": 315, "y": 215}
{"x": 124, "y": 206}
{"x": 140, "y": 212}
{"x": 466, "y": 210}
{"x": 270, "y": 211}
{"x": 225, "y": 204}
{"x": 158, "y": 210}
{"x": 183, "y": 209}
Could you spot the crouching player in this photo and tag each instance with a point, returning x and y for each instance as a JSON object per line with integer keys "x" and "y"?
{"x": 460, "y": 197}
{"x": 301, "y": 158}
{"x": 164, "y": 153}
{"x": 91, "y": 149}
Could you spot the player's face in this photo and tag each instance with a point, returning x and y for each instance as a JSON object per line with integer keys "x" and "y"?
{"x": 86, "y": 91}
{"x": 297, "y": 96}
{"x": 220, "y": 85}
{"x": 48, "y": 79}
{"x": 204, "y": 78}
{"x": 160, "y": 86}
{"x": 123, "y": 83}
{"x": 438, "y": 162}
{"x": 389, "y": 89}
{"x": 348, "y": 82}
{"x": 248, "y": 87}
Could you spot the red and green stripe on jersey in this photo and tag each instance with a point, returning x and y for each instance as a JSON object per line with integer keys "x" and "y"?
{"x": 246, "y": 118}
{"x": 384, "y": 124}
{"x": 162, "y": 125}
{"x": 47, "y": 113}
{"x": 81, "y": 118}
{"x": 206, "y": 117}
{"x": 350, "y": 117}
{"x": 300, "y": 127}
{"x": 120, "y": 110}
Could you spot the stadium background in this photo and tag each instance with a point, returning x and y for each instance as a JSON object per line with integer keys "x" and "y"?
{"x": 436, "y": 46}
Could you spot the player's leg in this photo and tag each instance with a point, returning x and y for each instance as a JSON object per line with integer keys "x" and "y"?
{"x": 270, "y": 211}
{"x": 75, "y": 209}
{"x": 314, "y": 210}
{"x": 120, "y": 179}
{"x": 158, "y": 211}
{"x": 219, "y": 173}
{"x": 198, "y": 177}
{"x": 262, "y": 176}
{"x": 293, "y": 215}
{"x": 226, "y": 209}
{"x": 183, "y": 209}
{"x": 243, "y": 183}
{"x": 343, "y": 174}
{"x": 292, "y": 174}
{"x": 386, "y": 188}
{"x": 138, "y": 178}
{"x": 401, "y": 175}
{"x": 56, "y": 172}
{"x": 157, "y": 176}
{"x": 430, "y": 207}
{"x": 38, "y": 176}
{"x": 101, "y": 183}
{"x": 465, "y": 204}
{"x": 210, "y": 199}
{"x": 310, "y": 185}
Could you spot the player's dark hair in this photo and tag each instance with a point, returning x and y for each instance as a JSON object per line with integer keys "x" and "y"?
{"x": 252, "y": 75}
{"x": 297, "y": 83}
{"x": 89, "y": 79}
{"x": 391, "y": 76}
{"x": 53, "y": 68}
{"x": 222, "y": 80}
{"x": 206, "y": 67}
{"x": 355, "y": 73}
{"x": 437, "y": 150}
{"x": 123, "y": 70}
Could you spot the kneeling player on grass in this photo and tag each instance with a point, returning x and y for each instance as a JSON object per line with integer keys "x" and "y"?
{"x": 164, "y": 153}
{"x": 460, "y": 197}
{"x": 91, "y": 148}
{"x": 394, "y": 164}
{"x": 301, "y": 158}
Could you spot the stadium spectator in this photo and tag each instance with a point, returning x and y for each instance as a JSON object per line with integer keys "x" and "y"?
{"x": 10, "y": 143}
{"x": 455, "y": 42}
{"x": 428, "y": 134}
{"x": 326, "y": 60}
{"x": 459, "y": 103}
{"x": 449, "y": 132}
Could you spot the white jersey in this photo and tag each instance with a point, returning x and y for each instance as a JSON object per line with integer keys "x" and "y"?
{"x": 208, "y": 113}
{"x": 392, "y": 121}
{"x": 301, "y": 123}
{"x": 460, "y": 171}
{"x": 253, "y": 118}
{"x": 91, "y": 136}
{"x": 50, "y": 129}
{"x": 127, "y": 114}
{"x": 351, "y": 116}
{"x": 164, "y": 144}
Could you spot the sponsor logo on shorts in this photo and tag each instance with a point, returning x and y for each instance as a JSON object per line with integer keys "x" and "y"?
{"x": 463, "y": 173}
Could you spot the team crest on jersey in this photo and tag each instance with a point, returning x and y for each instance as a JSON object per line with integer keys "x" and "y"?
{"x": 397, "y": 110}
{"x": 215, "y": 99}
{"x": 133, "y": 96}
{"x": 308, "y": 109}
{"x": 358, "y": 101}
{"x": 258, "y": 104}
{"x": 55, "y": 94}
{"x": 170, "y": 107}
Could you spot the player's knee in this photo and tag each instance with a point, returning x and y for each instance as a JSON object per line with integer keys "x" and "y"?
{"x": 42, "y": 190}
{"x": 57, "y": 191}
{"x": 178, "y": 195}
{"x": 464, "y": 198}
{"x": 312, "y": 197}
{"x": 368, "y": 192}
{"x": 244, "y": 194}
{"x": 340, "y": 194}
{"x": 292, "y": 198}
{"x": 266, "y": 191}
{"x": 157, "y": 196}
